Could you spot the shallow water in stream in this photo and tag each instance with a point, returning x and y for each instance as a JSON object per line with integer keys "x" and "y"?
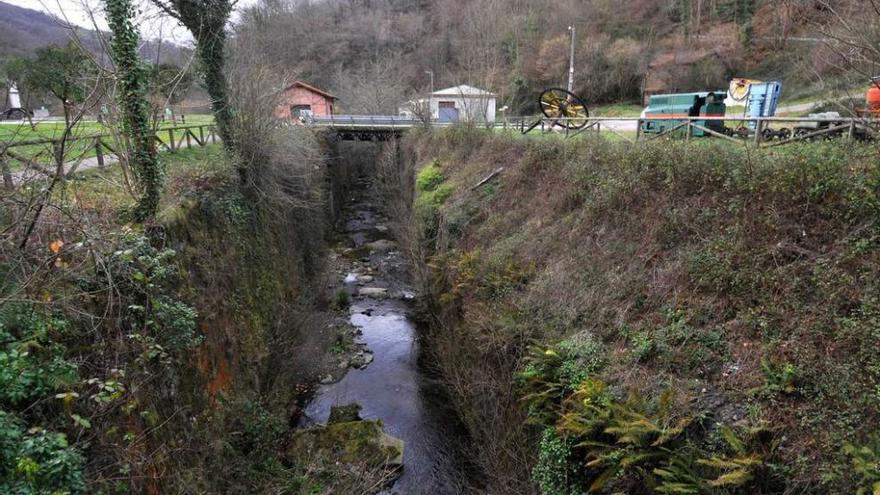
{"x": 392, "y": 388}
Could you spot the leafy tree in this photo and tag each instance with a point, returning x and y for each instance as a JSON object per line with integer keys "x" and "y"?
{"x": 170, "y": 81}
{"x": 57, "y": 71}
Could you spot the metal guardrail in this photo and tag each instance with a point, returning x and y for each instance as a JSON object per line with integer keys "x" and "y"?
{"x": 370, "y": 121}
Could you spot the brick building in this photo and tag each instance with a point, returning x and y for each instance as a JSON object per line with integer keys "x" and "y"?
{"x": 300, "y": 100}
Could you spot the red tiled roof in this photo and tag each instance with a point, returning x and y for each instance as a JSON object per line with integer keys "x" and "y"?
{"x": 311, "y": 88}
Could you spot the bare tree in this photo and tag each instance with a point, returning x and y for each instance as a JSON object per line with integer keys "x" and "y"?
{"x": 373, "y": 88}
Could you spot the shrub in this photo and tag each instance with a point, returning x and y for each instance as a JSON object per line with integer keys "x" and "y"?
{"x": 432, "y": 193}
{"x": 584, "y": 356}
{"x": 865, "y": 461}
{"x": 554, "y": 467}
{"x": 429, "y": 177}
{"x": 36, "y": 461}
{"x": 779, "y": 377}
{"x": 31, "y": 366}
{"x": 343, "y": 299}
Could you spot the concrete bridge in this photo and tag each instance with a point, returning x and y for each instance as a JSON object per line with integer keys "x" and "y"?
{"x": 366, "y": 127}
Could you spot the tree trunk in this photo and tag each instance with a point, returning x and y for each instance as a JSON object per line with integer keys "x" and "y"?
{"x": 132, "y": 95}
{"x": 211, "y": 47}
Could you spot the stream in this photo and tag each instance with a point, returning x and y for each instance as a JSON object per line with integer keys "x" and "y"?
{"x": 392, "y": 387}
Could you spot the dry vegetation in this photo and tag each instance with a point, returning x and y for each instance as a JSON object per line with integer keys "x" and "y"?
{"x": 732, "y": 291}
{"x": 374, "y": 54}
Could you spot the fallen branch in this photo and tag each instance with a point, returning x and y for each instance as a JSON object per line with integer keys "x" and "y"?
{"x": 489, "y": 177}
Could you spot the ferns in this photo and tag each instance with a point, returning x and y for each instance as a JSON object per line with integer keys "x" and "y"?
{"x": 866, "y": 463}
{"x": 650, "y": 446}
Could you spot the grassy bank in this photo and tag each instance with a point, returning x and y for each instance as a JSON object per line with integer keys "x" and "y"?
{"x": 663, "y": 318}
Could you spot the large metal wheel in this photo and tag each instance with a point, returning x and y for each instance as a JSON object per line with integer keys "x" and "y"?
{"x": 567, "y": 109}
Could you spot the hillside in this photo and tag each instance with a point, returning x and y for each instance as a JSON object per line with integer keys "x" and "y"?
{"x": 373, "y": 54}
{"x": 23, "y": 30}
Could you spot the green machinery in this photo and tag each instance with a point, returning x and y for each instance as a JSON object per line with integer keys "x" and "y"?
{"x": 665, "y": 111}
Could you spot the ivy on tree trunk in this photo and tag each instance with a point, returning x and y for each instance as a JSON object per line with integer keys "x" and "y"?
{"x": 206, "y": 21}
{"x": 132, "y": 87}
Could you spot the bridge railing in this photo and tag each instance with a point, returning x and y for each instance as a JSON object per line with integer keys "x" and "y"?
{"x": 372, "y": 121}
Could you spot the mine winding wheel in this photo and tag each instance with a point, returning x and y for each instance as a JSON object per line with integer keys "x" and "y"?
{"x": 566, "y": 109}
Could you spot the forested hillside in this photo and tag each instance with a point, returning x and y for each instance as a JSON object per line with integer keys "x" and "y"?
{"x": 23, "y": 31}
{"x": 374, "y": 52}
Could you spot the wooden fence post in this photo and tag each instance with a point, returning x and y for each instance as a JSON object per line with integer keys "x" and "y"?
{"x": 7, "y": 173}
{"x": 638, "y": 129}
{"x": 188, "y": 133}
{"x": 759, "y": 132}
{"x": 171, "y": 143}
{"x": 852, "y": 130}
{"x": 202, "y": 135}
{"x": 99, "y": 153}
{"x": 58, "y": 156}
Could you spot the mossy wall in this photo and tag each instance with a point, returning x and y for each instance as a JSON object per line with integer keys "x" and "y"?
{"x": 253, "y": 274}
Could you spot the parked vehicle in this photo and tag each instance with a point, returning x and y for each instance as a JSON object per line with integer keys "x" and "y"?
{"x": 669, "y": 109}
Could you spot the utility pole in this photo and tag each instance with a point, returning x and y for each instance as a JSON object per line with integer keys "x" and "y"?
{"x": 571, "y": 62}
{"x": 431, "y": 73}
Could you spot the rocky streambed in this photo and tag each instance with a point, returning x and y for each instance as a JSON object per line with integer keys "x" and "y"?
{"x": 384, "y": 378}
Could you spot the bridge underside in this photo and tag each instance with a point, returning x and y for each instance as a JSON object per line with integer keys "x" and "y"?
{"x": 363, "y": 134}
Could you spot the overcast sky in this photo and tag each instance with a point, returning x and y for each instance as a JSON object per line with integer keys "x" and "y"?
{"x": 153, "y": 23}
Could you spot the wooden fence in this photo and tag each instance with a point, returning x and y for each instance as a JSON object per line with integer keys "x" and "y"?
{"x": 97, "y": 146}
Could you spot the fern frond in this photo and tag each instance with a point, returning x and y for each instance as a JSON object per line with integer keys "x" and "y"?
{"x": 732, "y": 439}
{"x": 738, "y": 477}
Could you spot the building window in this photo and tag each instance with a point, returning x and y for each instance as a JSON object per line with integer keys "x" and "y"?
{"x": 300, "y": 111}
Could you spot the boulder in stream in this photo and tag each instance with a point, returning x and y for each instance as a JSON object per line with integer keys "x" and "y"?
{"x": 361, "y": 359}
{"x": 350, "y": 446}
{"x": 344, "y": 414}
{"x": 374, "y": 292}
{"x": 382, "y": 245}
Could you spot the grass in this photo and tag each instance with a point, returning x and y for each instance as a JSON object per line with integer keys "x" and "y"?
{"x": 10, "y": 132}
{"x": 102, "y": 189}
{"x": 76, "y": 149}
{"x": 617, "y": 110}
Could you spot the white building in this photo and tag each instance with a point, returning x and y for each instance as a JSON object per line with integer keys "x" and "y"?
{"x": 457, "y": 104}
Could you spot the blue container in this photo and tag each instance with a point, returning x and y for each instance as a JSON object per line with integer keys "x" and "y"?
{"x": 763, "y": 99}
